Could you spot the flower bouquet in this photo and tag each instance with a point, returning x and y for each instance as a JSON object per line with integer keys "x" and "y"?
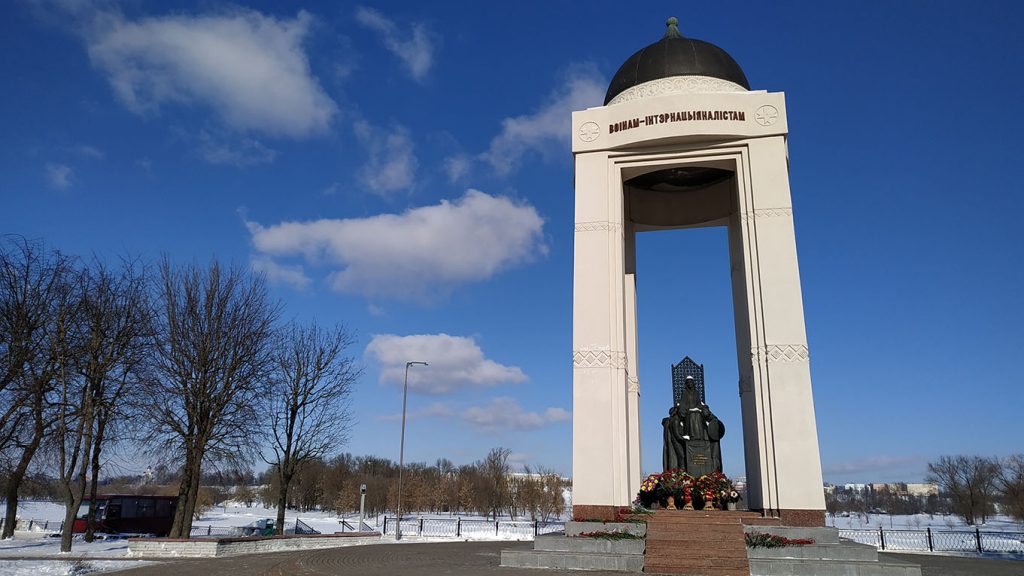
{"x": 657, "y": 488}
{"x": 718, "y": 489}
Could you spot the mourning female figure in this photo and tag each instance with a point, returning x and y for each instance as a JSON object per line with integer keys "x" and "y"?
{"x": 691, "y": 435}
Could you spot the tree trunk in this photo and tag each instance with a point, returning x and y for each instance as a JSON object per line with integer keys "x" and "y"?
{"x": 77, "y": 492}
{"x": 193, "y": 499}
{"x": 282, "y": 503}
{"x": 14, "y": 484}
{"x": 11, "y": 515}
{"x": 179, "y": 510}
{"x": 97, "y": 447}
{"x": 74, "y": 484}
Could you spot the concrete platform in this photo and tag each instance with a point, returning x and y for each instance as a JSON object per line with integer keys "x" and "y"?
{"x": 828, "y": 556}
{"x": 237, "y": 546}
{"x": 560, "y": 543}
{"x": 571, "y": 551}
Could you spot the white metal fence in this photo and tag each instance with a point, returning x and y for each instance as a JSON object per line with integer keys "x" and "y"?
{"x": 938, "y": 540}
{"x": 471, "y": 529}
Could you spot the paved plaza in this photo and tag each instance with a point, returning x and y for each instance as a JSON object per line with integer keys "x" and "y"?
{"x": 466, "y": 559}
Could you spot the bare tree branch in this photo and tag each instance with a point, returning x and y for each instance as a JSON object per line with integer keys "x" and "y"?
{"x": 308, "y": 404}
{"x": 212, "y": 359}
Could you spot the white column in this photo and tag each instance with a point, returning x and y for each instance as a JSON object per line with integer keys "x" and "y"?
{"x": 777, "y": 398}
{"x": 634, "y": 474}
{"x": 600, "y": 424}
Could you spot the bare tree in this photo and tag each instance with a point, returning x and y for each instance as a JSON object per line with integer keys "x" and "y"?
{"x": 71, "y": 436}
{"x": 35, "y": 297}
{"x": 112, "y": 354}
{"x": 494, "y": 486}
{"x": 1011, "y": 485}
{"x": 970, "y": 482}
{"x": 543, "y": 491}
{"x": 212, "y": 356}
{"x": 308, "y": 404}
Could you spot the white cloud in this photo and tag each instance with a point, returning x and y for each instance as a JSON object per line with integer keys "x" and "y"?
{"x": 504, "y": 414}
{"x": 87, "y": 151}
{"x": 456, "y": 167}
{"x": 884, "y": 467}
{"x": 435, "y": 410}
{"x": 245, "y": 152}
{"x": 250, "y": 69}
{"x": 455, "y": 362}
{"x": 582, "y": 89}
{"x": 420, "y": 254}
{"x": 415, "y": 50}
{"x": 58, "y": 176}
{"x": 276, "y": 273}
{"x": 391, "y": 164}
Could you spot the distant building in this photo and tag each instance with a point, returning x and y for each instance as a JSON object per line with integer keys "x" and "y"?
{"x": 923, "y": 489}
{"x": 904, "y": 490}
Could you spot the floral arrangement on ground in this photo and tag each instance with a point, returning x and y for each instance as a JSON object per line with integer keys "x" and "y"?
{"x": 611, "y": 535}
{"x": 621, "y": 515}
{"x": 713, "y": 490}
{"x": 760, "y": 540}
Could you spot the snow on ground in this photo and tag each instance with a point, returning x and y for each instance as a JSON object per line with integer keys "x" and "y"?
{"x": 64, "y": 567}
{"x": 919, "y": 522}
{"x": 233, "y": 514}
{"x": 47, "y": 544}
{"x": 39, "y": 510}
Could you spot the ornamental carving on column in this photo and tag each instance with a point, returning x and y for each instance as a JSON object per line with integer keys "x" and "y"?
{"x": 599, "y": 226}
{"x": 598, "y": 358}
{"x": 780, "y": 353}
{"x": 749, "y": 216}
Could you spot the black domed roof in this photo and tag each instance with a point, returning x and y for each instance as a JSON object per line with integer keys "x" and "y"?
{"x": 675, "y": 55}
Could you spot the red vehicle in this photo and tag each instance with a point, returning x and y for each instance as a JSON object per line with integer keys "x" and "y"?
{"x": 130, "y": 514}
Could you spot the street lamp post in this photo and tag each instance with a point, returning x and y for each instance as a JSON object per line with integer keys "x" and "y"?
{"x": 401, "y": 450}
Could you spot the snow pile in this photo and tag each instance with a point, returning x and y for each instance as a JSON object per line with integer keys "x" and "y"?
{"x": 64, "y": 567}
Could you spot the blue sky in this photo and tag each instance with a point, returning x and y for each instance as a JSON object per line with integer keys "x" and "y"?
{"x": 351, "y": 152}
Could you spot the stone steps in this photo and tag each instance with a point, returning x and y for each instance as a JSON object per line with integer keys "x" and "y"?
{"x": 696, "y": 542}
{"x": 679, "y": 553}
{"x": 737, "y": 569}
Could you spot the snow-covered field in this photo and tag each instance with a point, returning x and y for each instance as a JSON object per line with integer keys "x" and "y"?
{"x": 919, "y": 522}
{"x": 922, "y": 532}
{"x": 228, "y": 516}
{"x": 42, "y": 543}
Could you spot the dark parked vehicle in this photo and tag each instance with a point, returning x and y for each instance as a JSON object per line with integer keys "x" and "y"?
{"x": 130, "y": 514}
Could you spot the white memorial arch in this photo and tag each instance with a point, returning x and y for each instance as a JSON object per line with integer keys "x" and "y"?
{"x": 683, "y": 143}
